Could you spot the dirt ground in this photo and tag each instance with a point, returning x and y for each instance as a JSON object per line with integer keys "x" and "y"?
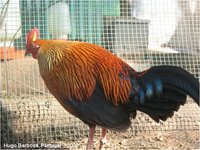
{"x": 45, "y": 121}
{"x": 178, "y": 140}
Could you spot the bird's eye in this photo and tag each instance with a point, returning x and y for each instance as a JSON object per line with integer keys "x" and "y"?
{"x": 34, "y": 46}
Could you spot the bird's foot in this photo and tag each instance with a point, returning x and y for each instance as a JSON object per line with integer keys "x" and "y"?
{"x": 103, "y": 140}
{"x": 102, "y": 143}
{"x": 90, "y": 138}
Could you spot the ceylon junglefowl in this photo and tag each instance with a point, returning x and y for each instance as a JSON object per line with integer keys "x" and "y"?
{"x": 101, "y": 89}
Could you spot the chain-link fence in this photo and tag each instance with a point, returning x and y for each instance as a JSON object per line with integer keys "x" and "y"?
{"x": 144, "y": 33}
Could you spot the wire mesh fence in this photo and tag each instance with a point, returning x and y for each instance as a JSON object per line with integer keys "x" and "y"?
{"x": 142, "y": 33}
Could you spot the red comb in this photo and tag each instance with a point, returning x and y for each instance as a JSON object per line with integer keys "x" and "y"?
{"x": 32, "y": 35}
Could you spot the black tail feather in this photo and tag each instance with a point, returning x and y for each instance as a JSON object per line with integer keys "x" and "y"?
{"x": 177, "y": 79}
{"x": 163, "y": 105}
{"x": 165, "y": 88}
{"x": 157, "y": 114}
{"x": 170, "y": 95}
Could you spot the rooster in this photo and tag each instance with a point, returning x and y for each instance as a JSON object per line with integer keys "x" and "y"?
{"x": 101, "y": 89}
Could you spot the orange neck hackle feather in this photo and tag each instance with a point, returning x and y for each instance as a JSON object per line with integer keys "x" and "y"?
{"x": 72, "y": 69}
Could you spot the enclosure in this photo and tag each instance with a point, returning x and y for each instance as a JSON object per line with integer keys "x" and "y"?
{"x": 143, "y": 33}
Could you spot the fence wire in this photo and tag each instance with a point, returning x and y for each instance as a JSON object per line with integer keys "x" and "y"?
{"x": 142, "y": 33}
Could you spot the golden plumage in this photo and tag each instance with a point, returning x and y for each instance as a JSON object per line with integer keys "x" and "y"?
{"x": 72, "y": 69}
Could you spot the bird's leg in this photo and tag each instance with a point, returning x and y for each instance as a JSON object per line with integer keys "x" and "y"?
{"x": 103, "y": 138}
{"x": 90, "y": 138}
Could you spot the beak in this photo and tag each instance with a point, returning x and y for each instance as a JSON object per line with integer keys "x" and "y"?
{"x": 26, "y": 53}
